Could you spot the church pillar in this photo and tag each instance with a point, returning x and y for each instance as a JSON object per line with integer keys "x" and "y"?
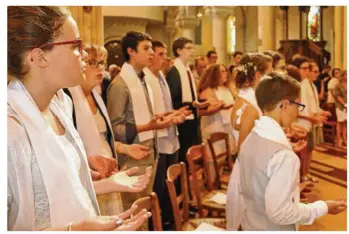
{"x": 170, "y": 32}
{"x": 266, "y": 28}
{"x": 217, "y": 30}
{"x": 90, "y": 23}
{"x": 338, "y": 36}
{"x": 345, "y": 37}
{"x": 187, "y": 21}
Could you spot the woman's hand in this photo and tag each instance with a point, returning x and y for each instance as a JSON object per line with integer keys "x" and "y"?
{"x": 124, "y": 181}
{"x": 121, "y": 222}
{"x": 103, "y": 165}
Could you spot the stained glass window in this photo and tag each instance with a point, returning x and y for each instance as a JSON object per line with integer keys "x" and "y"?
{"x": 232, "y": 36}
{"x": 314, "y": 23}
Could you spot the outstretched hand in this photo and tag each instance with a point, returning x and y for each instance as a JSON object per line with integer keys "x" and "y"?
{"x": 125, "y": 181}
{"x": 102, "y": 165}
{"x": 121, "y": 222}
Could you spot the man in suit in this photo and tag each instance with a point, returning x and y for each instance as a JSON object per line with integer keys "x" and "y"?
{"x": 183, "y": 92}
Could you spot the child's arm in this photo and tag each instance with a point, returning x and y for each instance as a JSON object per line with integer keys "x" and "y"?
{"x": 281, "y": 209}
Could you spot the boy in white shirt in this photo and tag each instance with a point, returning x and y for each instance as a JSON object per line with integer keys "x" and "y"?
{"x": 269, "y": 167}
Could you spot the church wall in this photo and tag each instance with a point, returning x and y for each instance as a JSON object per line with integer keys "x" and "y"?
{"x": 156, "y": 32}
{"x": 90, "y": 23}
{"x": 252, "y": 26}
{"x": 239, "y": 29}
{"x": 143, "y": 12}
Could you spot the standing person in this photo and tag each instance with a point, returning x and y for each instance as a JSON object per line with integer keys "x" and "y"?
{"x": 200, "y": 65}
{"x": 214, "y": 87}
{"x": 336, "y": 73}
{"x": 211, "y": 57}
{"x": 312, "y": 117}
{"x": 131, "y": 108}
{"x": 168, "y": 137}
{"x": 269, "y": 167}
{"x": 322, "y": 80}
{"x": 183, "y": 92}
{"x": 340, "y": 95}
{"x": 49, "y": 184}
{"x": 91, "y": 120}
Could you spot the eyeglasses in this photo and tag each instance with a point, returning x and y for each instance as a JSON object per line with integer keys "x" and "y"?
{"x": 94, "y": 63}
{"x": 189, "y": 48}
{"x": 78, "y": 44}
{"x": 300, "y": 105}
{"x": 304, "y": 68}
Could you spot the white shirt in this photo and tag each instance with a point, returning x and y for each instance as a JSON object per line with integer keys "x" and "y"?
{"x": 331, "y": 85}
{"x": 283, "y": 173}
{"x": 310, "y": 98}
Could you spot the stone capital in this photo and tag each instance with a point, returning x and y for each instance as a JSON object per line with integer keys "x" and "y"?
{"x": 188, "y": 22}
{"x": 219, "y": 11}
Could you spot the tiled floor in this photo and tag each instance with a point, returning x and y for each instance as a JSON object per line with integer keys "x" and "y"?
{"x": 330, "y": 166}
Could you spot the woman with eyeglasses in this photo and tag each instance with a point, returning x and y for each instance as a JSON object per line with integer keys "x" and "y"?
{"x": 312, "y": 117}
{"x": 49, "y": 184}
{"x": 92, "y": 121}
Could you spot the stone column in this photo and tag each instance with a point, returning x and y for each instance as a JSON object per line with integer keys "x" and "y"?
{"x": 338, "y": 36}
{"x": 217, "y": 30}
{"x": 266, "y": 28}
{"x": 345, "y": 38}
{"x": 187, "y": 21}
{"x": 90, "y": 23}
{"x": 170, "y": 32}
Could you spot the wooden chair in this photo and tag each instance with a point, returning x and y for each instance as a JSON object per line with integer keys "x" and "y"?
{"x": 151, "y": 203}
{"x": 329, "y": 128}
{"x": 223, "y": 162}
{"x": 181, "y": 215}
{"x": 202, "y": 192}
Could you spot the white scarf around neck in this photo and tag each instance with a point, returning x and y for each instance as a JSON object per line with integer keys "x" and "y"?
{"x": 182, "y": 69}
{"x": 139, "y": 101}
{"x": 63, "y": 183}
{"x": 159, "y": 105}
{"x": 268, "y": 128}
{"x": 85, "y": 122}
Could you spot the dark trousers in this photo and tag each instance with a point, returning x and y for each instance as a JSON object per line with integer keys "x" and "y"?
{"x": 160, "y": 186}
{"x": 188, "y": 136}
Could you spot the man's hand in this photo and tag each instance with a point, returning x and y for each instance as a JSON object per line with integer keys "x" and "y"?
{"x": 105, "y": 166}
{"x": 136, "y": 151}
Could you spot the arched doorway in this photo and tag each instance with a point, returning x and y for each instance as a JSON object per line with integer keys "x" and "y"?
{"x": 114, "y": 53}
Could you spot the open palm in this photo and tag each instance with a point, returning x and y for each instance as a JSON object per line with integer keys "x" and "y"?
{"x": 125, "y": 181}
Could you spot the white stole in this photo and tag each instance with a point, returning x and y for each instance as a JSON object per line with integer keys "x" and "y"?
{"x": 249, "y": 95}
{"x": 85, "y": 122}
{"x": 139, "y": 101}
{"x": 64, "y": 102}
{"x": 224, "y": 94}
{"x": 56, "y": 166}
{"x": 182, "y": 69}
{"x": 159, "y": 105}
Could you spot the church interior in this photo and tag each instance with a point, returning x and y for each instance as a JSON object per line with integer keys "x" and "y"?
{"x": 224, "y": 35}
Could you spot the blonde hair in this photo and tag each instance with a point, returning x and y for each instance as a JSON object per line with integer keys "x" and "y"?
{"x": 96, "y": 51}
